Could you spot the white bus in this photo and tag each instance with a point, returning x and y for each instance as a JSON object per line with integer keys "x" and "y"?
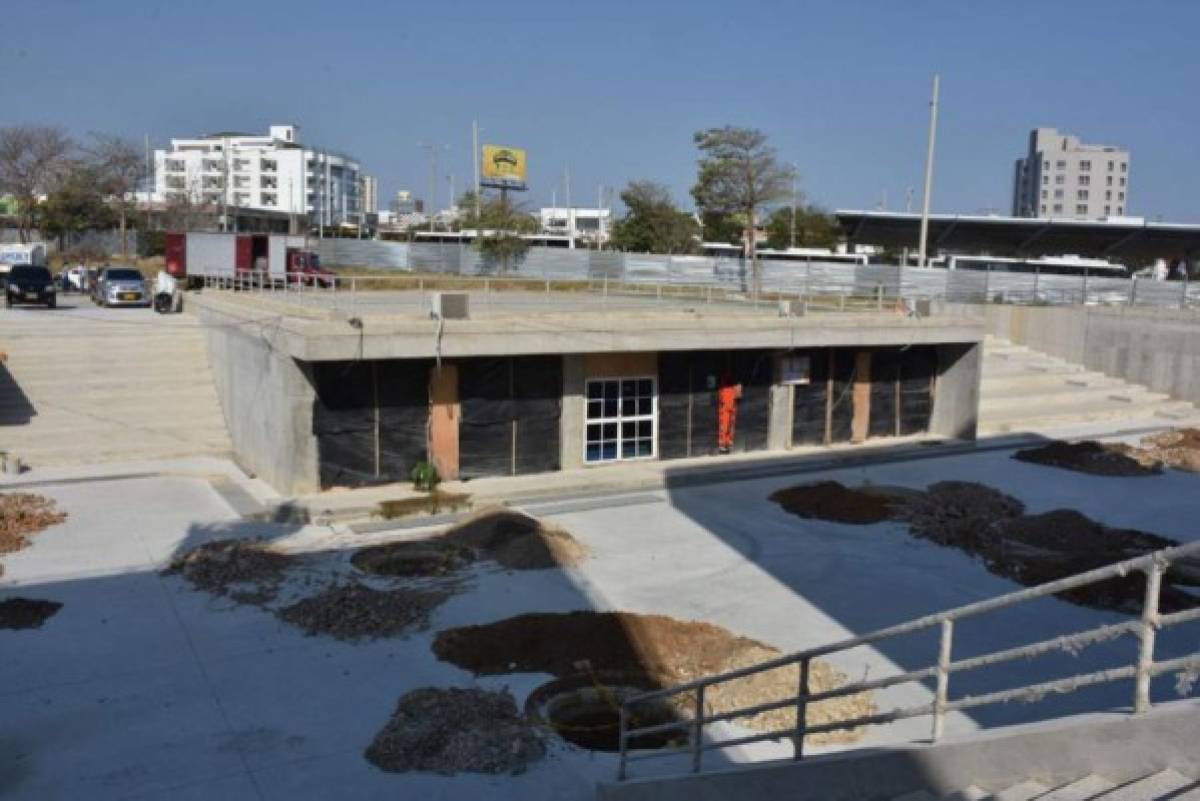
{"x": 1045, "y": 265}
{"x": 799, "y": 255}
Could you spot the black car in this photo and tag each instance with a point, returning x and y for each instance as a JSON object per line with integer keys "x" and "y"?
{"x": 30, "y": 284}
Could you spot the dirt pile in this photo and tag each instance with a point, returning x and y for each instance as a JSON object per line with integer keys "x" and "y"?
{"x": 23, "y": 514}
{"x": 959, "y": 513}
{"x": 1178, "y": 448}
{"x": 354, "y": 611}
{"x": 450, "y": 731}
{"x": 513, "y": 540}
{"x": 248, "y": 571}
{"x": 1094, "y": 458}
{"x": 516, "y": 541}
{"x": 830, "y": 500}
{"x": 26, "y": 613}
{"x": 660, "y": 651}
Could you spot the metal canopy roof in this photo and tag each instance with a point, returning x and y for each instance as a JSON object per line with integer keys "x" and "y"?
{"x": 1122, "y": 238}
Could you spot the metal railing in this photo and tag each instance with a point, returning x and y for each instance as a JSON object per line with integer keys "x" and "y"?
{"x": 1141, "y": 671}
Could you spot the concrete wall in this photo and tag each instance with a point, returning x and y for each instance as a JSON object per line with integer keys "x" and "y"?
{"x": 267, "y": 400}
{"x": 956, "y": 397}
{"x": 1159, "y": 348}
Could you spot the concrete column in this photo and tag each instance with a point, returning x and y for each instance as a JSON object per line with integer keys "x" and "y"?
{"x": 860, "y": 423}
{"x": 444, "y": 414}
{"x": 779, "y": 425}
{"x": 956, "y": 394}
{"x": 573, "y": 408}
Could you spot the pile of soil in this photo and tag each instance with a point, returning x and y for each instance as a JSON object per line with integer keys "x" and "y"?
{"x": 449, "y": 731}
{"x": 26, "y": 613}
{"x": 830, "y": 500}
{"x": 413, "y": 558}
{"x": 1094, "y": 458}
{"x": 513, "y": 540}
{"x": 959, "y": 513}
{"x": 1178, "y": 448}
{"x": 23, "y": 514}
{"x": 658, "y": 650}
{"x": 248, "y": 571}
{"x": 354, "y": 611}
{"x": 516, "y": 541}
{"x": 1034, "y": 549}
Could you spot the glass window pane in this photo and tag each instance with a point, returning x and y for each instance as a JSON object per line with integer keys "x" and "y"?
{"x": 595, "y": 409}
{"x": 628, "y": 407}
{"x": 645, "y": 447}
{"x": 628, "y": 450}
{"x": 628, "y": 430}
{"x": 593, "y": 453}
{"x": 595, "y": 389}
{"x": 611, "y": 389}
{"x": 646, "y": 386}
{"x": 628, "y": 388}
{"x": 610, "y": 407}
{"x": 610, "y": 430}
{"x": 608, "y": 450}
{"x": 593, "y": 433}
{"x": 645, "y": 428}
{"x": 645, "y": 405}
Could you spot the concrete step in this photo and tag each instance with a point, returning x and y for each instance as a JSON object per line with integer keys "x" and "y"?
{"x": 1083, "y": 790}
{"x": 998, "y": 369}
{"x": 43, "y": 437}
{"x": 1022, "y": 382}
{"x": 1030, "y": 419}
{"x": 132, "y": 399}
{"x": 1020, "y": 792}
{"x": 1165, "y": 785}
{"x": 1053, "y": 397}
{"x": 122, "y": 453}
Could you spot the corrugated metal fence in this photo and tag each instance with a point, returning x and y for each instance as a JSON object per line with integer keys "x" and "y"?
{"x": 807, "y": 278}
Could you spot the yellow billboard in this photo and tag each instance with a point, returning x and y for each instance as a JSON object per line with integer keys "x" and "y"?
{"x": 503, "y": 167}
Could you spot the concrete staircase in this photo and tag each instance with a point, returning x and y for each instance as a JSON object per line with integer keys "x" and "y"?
{"x": 83, "y": 385}
{"x": 1024, "y": 390}
{"x": 1166, "y": 784}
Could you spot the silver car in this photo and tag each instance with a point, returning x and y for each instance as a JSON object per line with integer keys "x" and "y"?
{"x": 121, "y": 286}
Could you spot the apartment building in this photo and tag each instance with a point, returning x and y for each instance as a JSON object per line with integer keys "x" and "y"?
{"x": 1063, "y": 177}
{"x": 274, "y": 172}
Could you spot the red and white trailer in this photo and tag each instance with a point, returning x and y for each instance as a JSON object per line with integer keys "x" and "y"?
{"x": 244, "y": 258}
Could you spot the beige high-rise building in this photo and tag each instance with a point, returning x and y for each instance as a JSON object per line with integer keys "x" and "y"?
{"x": 1062, "y": 177}
{"x": 370, "y": 193}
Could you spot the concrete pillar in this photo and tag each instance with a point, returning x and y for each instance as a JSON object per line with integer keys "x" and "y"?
{"x": 860, "y": 423}
{"x": 779, "y": 425}
{"x": 444, "y": 414}
{"x": 571, "y": 420}
{"x": 956, "y": 394}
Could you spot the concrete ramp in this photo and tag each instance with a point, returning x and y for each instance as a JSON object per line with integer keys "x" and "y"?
{"x": 1024, "y": 390}
{"x": 84, "y": 385}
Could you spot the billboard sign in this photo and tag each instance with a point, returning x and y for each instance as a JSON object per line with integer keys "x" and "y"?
{"x": 503, "y": 167}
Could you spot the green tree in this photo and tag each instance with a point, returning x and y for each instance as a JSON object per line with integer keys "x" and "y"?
{"x": 652, "y": 223}
{"x": 815, "y": 228}
{"x": 739, "y": 173}
{"x": 721, "y": 227}
{"x": 119, "y": 168}
{"x": 78, "y": 205}
{"x": 500, "y": 223}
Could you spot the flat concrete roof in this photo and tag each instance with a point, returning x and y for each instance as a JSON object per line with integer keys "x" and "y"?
{"x": 396, "y": 325}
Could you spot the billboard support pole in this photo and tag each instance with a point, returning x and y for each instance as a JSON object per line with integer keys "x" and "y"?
{"x": 476, "y": 156}
{"x": 922, "y": 259}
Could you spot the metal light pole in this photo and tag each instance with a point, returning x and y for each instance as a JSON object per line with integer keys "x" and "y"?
{"x": 432, "y": 149}
{"x": 922, "y": 261}
{"x": 795, "y": 169}
{"x": 475, "y": 157}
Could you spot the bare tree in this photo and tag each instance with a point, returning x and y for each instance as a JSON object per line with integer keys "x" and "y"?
{"x": 120, "y": 168}
{"x": 33, "y": 160}
{"x": 739, "y": 174}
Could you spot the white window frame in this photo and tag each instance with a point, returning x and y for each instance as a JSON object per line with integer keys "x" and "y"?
{"x": 620, "y": 418}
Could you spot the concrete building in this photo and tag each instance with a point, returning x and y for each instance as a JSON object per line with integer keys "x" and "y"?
{"x": 536, "y": 383}
{"x": 1062, "y": 177}
{"x": 588, "y": 225}
{"x": 274, "y": 173}
{"x": 370, "y": 194}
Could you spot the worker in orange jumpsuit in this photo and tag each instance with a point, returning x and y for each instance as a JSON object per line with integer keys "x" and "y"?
{"x": 728, "y": 395}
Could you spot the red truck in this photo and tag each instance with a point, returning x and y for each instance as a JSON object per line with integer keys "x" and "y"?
{"x": 245, "y": 258}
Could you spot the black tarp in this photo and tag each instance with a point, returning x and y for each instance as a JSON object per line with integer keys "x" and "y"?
{"x": 918, "y": 366}
{"x": 809, "y": 400}
{"x": 511, "y": 409}
{"x": 344, "y": 419}
{"x": 687, "y": 400}
{"x": 885, "y": 370}
{"x": 842, "y": 419}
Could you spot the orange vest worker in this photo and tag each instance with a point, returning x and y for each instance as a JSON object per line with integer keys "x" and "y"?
{"x": 727, "y": 397}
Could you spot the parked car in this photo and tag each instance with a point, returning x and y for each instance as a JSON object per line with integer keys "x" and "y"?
{"x": 120, "y": 286}
{"x": 30, "y": 284}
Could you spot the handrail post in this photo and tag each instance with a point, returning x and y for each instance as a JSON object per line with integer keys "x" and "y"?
{"x": 698, "y": 730}
{"x": 622, "y": 741}
{"x": 1141, "y": 693}
{"x": 943, "y": 679}
{"x": 801, "y": 710}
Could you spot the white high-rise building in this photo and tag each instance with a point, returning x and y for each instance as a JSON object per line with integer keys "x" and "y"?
{"x": 261, "y": 173}
{"x": 1062, "y": 177}
{"x": 370, "y": 194}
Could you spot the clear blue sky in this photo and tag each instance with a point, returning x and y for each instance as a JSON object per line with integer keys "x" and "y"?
{"x": 615, "y": 89}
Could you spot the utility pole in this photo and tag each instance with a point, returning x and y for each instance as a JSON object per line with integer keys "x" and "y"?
{"x": 570, "y": 215}
{"x": 475, "y": 157}
{"x": 922, "y": 260}
{"x": 150, "y": 182}
{"x": 432, "y": 148}
{"x": 793, "y": 237}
